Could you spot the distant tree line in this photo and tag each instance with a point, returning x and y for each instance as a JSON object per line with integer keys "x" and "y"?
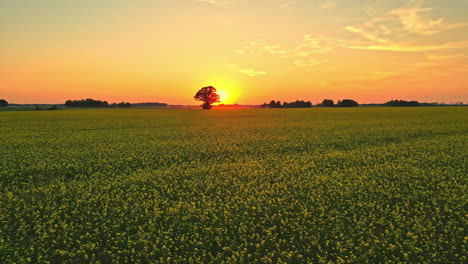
{"x": 351, "y": 103}
{"x": 149, "y": 104}
{"x": 340, "y": 103}
{"x": 94, "y": 103}
{"x": 3, "y": 103}
{"x": 402, "y": 103}
{"x": 304, "y": 104}
{"x": 296, "y": 104}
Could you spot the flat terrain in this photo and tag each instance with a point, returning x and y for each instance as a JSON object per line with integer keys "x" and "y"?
{"x": 235, "y": 186}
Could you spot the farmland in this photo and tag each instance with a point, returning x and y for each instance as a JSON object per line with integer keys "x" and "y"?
{"x": 234, "y": 186}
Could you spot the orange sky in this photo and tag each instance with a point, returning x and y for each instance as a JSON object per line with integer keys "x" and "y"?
{"x": 252, "y": 50}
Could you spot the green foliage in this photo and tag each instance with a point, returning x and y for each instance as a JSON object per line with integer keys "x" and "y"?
{"x": 325, "y": 185}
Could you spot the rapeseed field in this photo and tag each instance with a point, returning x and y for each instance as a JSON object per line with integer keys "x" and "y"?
{"x": 363, "y": 185}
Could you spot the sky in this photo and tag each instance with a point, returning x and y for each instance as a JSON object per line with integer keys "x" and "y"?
{"x": 253, "y": 51}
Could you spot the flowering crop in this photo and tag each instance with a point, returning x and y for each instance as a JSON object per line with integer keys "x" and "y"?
{"x": 234, "y": 186}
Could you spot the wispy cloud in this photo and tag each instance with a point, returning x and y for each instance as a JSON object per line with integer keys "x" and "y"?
{"x": 417, "y": 19}
{"x": 433, "y": 57}
{"x": 213, "y": 2}
{"x": 328, "y": 4}
{"x": 287, "y": 4}
{"x": 412, "y": 48}
{"x": 302, "y": 55}
{"x": 249, "y": 72}
{"x": 392, "y": 31}
{"x": 221, "y": 2}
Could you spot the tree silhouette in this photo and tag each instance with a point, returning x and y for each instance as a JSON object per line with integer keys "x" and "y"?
{"x": 402, "y": 103}
{"x": 208, "y": 96}
{"x": 327, "y": 103}
{"x": 3, "y": 103}
{"x": 347, "y": 103}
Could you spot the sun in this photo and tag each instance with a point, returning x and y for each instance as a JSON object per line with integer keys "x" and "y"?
{"x": 228, "y": 89}
{"x": 223, "y": 96}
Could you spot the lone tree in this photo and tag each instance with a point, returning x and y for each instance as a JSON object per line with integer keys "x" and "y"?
{"x": 3, "y": 103}
{"x": 208, "y": 96}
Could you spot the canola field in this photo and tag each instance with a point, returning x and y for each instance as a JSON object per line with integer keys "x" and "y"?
{"x": 362, "y": 185}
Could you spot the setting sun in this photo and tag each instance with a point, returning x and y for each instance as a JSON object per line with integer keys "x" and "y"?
{"x": 224, "y": 96}
{"x": 228, "y": 90}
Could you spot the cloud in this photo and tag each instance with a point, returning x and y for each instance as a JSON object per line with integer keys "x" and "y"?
{"x": 328, "y": 4}
{"x": 444, "y": 57}
{"x": 394, "y": 30}
{"x": 412, "y": 48}
{"x": 249, "y": 72}
{"x": 368, "y": 35}
{"x": 221, "y": 2}
{"x": 252, "y": 72}
{"x": 208, "y": 1}
{"x": 302, "y": 55}
{"x": 416, "y": 19}
{"x": 287, "y": 4}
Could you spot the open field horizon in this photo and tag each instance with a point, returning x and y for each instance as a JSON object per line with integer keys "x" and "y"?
{"x": 233, "y": 131}
{"x": 243, "y": 186}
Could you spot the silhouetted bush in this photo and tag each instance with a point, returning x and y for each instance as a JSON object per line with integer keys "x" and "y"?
{"x": 3, "y": 103}
{"x": 347, "y": 103}
{"x": 402, "y": 103}
{"x": 54, "y": 107}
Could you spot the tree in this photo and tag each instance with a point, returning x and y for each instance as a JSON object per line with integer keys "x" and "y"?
{"x": 208, "y": 95}
{"x": 297, "y": 104}
{"x": 86, "y": 103}
{"x": 347, "y": 103}
{"x": 402, "y": 103}
{"x": 3, "y": 103}
{"x": 327, "y": 103}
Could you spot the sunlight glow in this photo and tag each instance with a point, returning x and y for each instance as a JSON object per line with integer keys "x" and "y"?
{"x": 224, "y": 96}
{"x": 228, "y": 89}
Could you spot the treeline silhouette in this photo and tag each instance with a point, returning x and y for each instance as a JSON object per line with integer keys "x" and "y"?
{"x": 402, "y": 103}
{"x": 149, "y": 104}
{"x": 296, "y": 104}
{"x": 94, "y": 103}
{"x": 350, "y": 103}
{"x": 340, "y": 103}
{"x": 3, "y": 103}
{"x": 307, "y": 104}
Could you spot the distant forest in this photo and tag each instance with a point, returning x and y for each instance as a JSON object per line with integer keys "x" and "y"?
{"x": 98, "y": 103}
{"x": 348, "y": 103}
{"x": 307, "y": 104}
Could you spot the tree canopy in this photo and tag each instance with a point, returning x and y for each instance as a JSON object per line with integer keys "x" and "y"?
{"x": 208, "y": 95}
{"x": 402, "y": 103}
{"x": 347, "y": 103}
{"x": 327, "y": 103}
{"x": 3, "y": 103}
{"x": 94, "y": 103}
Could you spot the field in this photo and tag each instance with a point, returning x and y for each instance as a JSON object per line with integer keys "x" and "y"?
{"x": 234, "y": 186}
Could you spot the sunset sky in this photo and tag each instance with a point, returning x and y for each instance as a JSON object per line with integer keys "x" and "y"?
{"x": 252, "y": 50}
